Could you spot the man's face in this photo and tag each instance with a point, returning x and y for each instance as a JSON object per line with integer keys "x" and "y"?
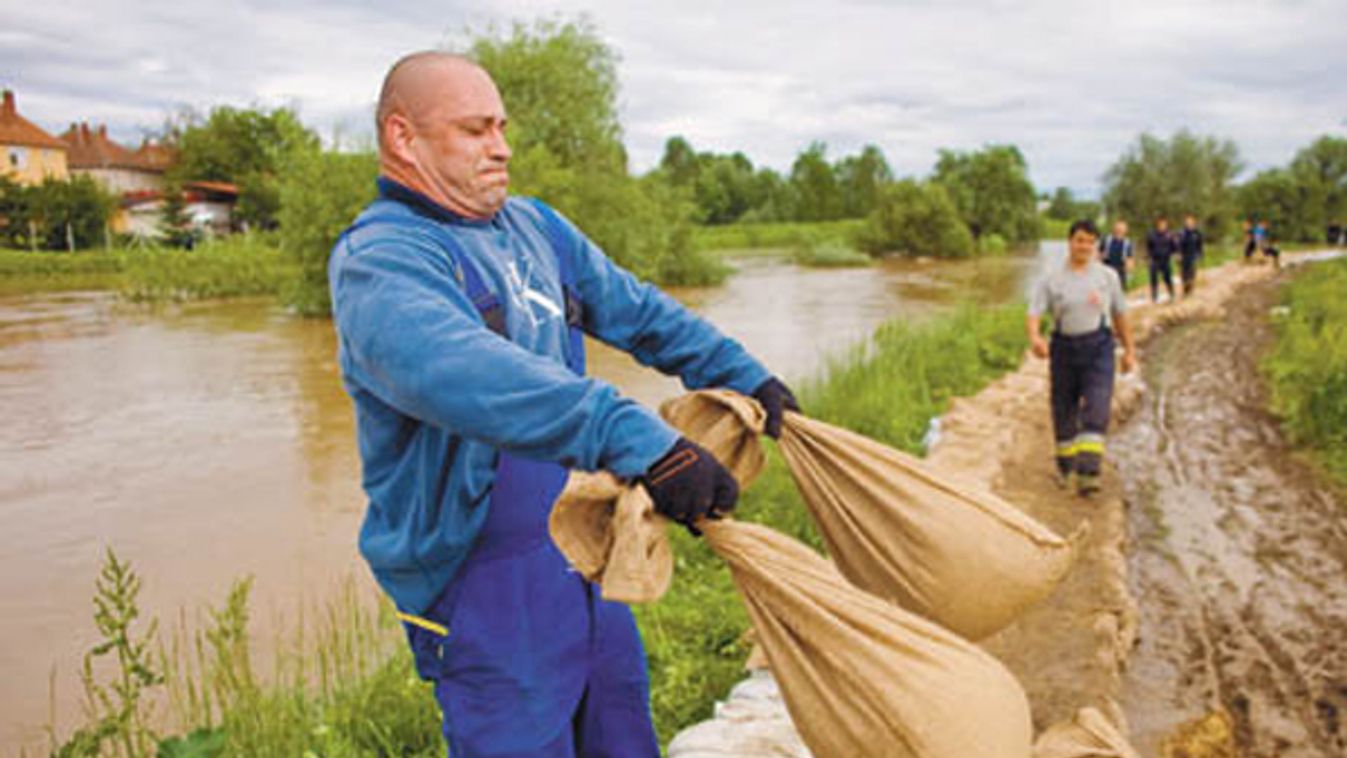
{"x": 458, "y": 143}
{"x": 1082, "y": 245}
{"x": 1190, "y": 222}
{"x": 1120, "y": 229}
{"x": 1162, "y": 224}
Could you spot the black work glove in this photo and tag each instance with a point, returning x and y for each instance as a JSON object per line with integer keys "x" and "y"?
{"x": 776, "y": 398}
{"x": 688, "y": 484}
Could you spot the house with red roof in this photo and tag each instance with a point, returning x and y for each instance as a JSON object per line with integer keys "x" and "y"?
{"x": 27, "y": 153}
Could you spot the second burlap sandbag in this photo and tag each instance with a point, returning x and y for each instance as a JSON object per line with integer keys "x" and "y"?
{"x": 611, "y": 535}
{"x": 895, "y": 526}
{"x": 859, "y": 675}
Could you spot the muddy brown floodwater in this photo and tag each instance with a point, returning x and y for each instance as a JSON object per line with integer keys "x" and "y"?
{"x": 1238, "y": 559}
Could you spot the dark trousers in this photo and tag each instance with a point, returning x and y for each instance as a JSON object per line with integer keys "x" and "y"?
{"x": 1188, "y": 270}
{"x": 1121, "y": 269}
{"x": 1082, "y": 391}
{"x": 1160, "y": 269}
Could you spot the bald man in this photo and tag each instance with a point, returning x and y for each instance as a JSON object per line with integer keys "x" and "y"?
{"x": 460, "y": 312}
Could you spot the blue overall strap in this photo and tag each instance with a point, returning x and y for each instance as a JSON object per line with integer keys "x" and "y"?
{"x": 483, "y": 299}
{"x": 575, "y": 310}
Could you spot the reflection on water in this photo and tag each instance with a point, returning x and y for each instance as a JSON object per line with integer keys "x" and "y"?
{"x": 209, "y": 442}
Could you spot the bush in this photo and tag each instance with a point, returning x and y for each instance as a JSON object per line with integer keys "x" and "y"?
{"x": 829, "y": 254}
{"x": 321, "y": 192}
{"x": 917, "y": 219}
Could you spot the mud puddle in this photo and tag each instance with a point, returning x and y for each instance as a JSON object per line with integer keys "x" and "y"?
{"x": 1238, "y": 557}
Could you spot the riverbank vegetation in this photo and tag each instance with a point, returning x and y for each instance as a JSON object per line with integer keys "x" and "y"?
{"x": 345, "y": 685}
{"x": 1307, "y": 367}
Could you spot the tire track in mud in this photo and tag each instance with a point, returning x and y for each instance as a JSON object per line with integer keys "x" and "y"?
{"x": 1239, "y": 554}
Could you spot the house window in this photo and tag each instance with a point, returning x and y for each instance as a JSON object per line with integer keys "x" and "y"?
{"x": 18, "y": 158}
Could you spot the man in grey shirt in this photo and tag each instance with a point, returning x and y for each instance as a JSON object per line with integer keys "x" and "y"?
{"x": 1084, "y": 299}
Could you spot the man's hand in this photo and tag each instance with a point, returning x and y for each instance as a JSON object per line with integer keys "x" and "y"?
{"x": 776, "y": 398}
{"x": 1129, "y": 361}
{"x": 688, "y": 485}
{"x": 1038, "y": 346}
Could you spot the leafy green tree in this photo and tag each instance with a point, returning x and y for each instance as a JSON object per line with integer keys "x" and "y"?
{"x": 991, "y": 190}
{"x": 917, "y": 219}
{"x": 862, "y": 179}
{"x": 559, "y": 84}
{"x": 57, "y": 214}
{"x": 814, "y": 185}
{"x": 680, "y": 162}
{"x": 175, "y": 226}
{"x": 320, "y": 193}
{"x": 1186, "y": 174}
{"x": 245, "y": 147}
{"x": 1320, "y": 169}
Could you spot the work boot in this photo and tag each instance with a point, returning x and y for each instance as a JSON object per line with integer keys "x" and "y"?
{"x": 1087, "y": 485}
{"x": 1064, "y": 471}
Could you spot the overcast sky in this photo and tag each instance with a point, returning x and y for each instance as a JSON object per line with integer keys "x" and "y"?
{"x": 1071, "y": 83}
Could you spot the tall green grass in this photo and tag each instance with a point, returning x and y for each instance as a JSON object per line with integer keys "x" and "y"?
{"x": 342, "y": 685}
{"x": 234, "y": 266}
{"x": 779, "y": 236}
{"x": 351, "y": 689}
{"x": 1307, "y": 367}
{"x": 44, "y": 271}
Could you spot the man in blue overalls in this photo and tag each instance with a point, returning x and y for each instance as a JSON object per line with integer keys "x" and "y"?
{"x": 460, "y": 313}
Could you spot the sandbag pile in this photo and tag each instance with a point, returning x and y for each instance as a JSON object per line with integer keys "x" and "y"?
{"x": 953, "y": 553}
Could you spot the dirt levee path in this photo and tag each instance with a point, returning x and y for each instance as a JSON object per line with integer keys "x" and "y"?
{"x": 1239, "y": 552}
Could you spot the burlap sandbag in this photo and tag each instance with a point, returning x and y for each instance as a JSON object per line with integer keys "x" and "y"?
{"x": 1088, "y": 735}
{"x": 953, "y": 553}
{"x": 612, "y": 536}
{"x": 859, "y": 675}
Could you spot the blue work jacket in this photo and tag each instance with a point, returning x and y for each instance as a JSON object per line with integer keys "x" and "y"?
{"x": 438, "y": 394}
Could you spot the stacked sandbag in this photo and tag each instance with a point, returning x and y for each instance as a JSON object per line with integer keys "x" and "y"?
{"x": 859, "y": 675}
{"x": 939, "y": 547}
{"x": 751, "y": 721}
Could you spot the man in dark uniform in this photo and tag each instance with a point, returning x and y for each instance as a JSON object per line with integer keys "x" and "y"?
{"x": 1115, "y": 250}
{"x": 1160, "y": 247}
{"x": 1190, "y": 252}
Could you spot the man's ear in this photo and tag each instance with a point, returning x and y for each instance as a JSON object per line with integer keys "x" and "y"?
{"x": 399, "y": 134}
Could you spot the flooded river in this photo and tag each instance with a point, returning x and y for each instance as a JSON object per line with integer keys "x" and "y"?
{"x": 209, "y": 442}
{"x": 1239, "y": 555}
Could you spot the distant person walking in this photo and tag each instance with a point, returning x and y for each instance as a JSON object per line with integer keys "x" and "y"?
{"x": 1190, "y": 252}
{"x": 1250, "y": 243}
{"x": 1084, "y": 298}
{"x": 1335, "y": 235}
{"x": 1160, "y": 247}
{"x": 1115, "y": 250}
{"x": 1260, "y": 235}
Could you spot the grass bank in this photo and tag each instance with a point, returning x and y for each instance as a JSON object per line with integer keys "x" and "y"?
{"x": 351, "y": 689}
{"x": 22, "y": 271}
{"x": 775, "y": 237}
{"x": 1307, "y": 367}
{"x": 235, "y": 266}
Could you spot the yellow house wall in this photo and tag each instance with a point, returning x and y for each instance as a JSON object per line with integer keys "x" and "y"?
{"x": 36, "y": 163}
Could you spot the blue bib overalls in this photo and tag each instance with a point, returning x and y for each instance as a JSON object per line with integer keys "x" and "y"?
{"x": 527, "y": 659}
